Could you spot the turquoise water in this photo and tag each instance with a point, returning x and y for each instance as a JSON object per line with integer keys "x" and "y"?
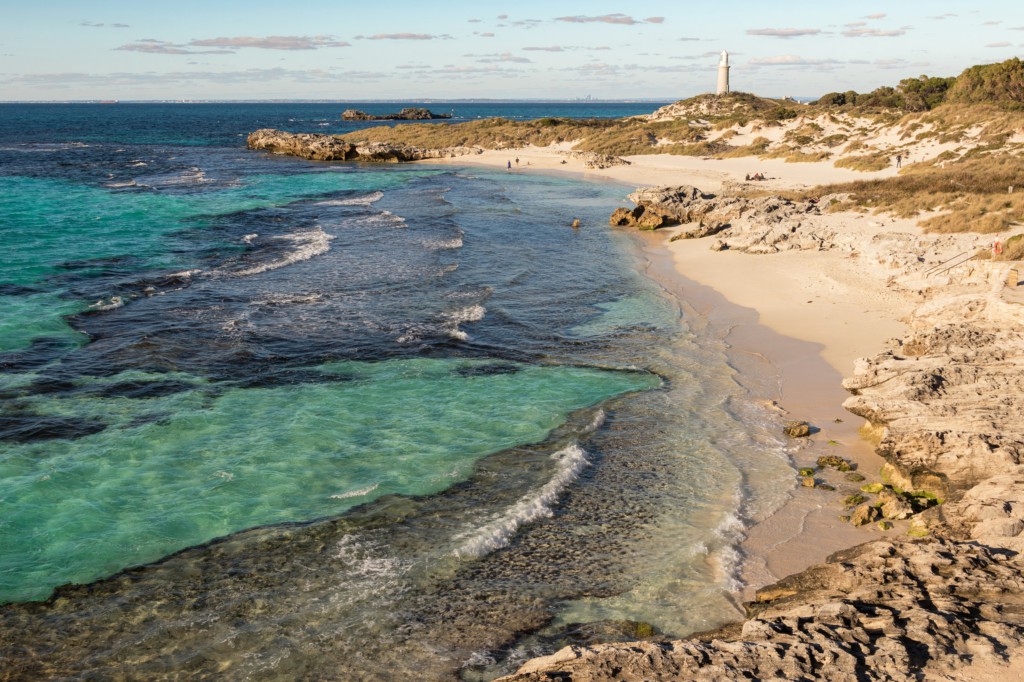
{"x": 200, "y": 466}
{"x": 49, "y": 223}
{"x": 435, "y": 427}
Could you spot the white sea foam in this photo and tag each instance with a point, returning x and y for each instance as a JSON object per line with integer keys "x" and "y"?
{"x": 497, "y": 532}
{"x": 469, "y": 314}
{"x": 364, "y": 200}
{"x": 362, "y": 560}
{"x": 118, "y": 185}
{"x": 307, "y": 245}
{"x": 382, "y": 219}
{"x": 727, "y": 559}
{"x": 247, "y": 239}
{"x": 356, "y": 493}
{"x": 111, "y": 303}
{"x": 597, "y": 422}
{"x": 288, "y": 299}
{"x": 444, "y": 244}
{"x": 454, "y": 318}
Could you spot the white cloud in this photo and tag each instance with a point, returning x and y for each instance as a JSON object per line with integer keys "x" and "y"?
{"x": 272, "y": 42}
{"x": 616, "y": 18}
{"x": 873, "y": 33}
{"x": 783, "y": 32}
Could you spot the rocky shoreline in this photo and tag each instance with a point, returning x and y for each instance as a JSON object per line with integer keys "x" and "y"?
{"x": 944, "y": 405}
{"x": 317, "y": 147}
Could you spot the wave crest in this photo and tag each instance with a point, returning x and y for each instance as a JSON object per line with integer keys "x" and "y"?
{"x": 497, "y": 532}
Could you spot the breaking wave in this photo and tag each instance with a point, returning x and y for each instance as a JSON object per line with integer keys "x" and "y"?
{"x": 307, "y": 245}
{"x": 496, "y": 533}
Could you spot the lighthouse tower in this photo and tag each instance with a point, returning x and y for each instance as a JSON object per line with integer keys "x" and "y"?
{"x": 723, "y": 74}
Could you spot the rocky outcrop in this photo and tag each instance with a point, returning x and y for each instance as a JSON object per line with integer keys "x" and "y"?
{"x": 331, "y": 148}
{"x": 406, "y": 114}
{"x": 597, "y": 161}
{"x": 946, "y": 399}
{"x": 753, "y": 224}
{"x": 885, "y": 610}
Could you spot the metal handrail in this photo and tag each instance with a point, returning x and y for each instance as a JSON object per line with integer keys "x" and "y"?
{"x": 939, "y": 265}
{"x": 956, "y": 264}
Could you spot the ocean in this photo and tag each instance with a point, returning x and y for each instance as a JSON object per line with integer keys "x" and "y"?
{"x": 267, "y": 418}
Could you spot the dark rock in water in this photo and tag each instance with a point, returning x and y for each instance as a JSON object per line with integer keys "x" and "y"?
{"x": 487, "y": 370}
{"x": 835, "y": 462}
{"x": 854, "y": 477}
{"x": 797, "y": 430}
{"x": 18, "y": 290}
{"x": 41, "y": 351}
{"x": 406, "y": 114}
{"x": 144, "y": 389}
{"x": 30, "y": 427}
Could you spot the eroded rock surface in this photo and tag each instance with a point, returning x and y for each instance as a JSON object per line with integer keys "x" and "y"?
{"x": 885, "y": 610}
{"x": 331, "y": 148}
{"x": 946, "y": 398}
{"x": 757, "y": 225}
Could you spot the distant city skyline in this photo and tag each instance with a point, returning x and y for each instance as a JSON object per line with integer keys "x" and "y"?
{"x": 114, "y": 49}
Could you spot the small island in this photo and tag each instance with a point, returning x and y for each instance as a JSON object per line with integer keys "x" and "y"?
{"x": 406, "y": 114}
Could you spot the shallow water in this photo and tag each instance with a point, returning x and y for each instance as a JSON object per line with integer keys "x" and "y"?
{"x": 454, "y": 427}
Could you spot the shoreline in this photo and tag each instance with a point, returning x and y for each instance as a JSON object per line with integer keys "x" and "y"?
{"x": 768, "y": 322}
{"x": 931, "y": 362}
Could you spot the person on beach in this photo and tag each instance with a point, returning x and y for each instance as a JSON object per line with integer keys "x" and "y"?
{"x": 899, "y": 160}
{"x": 510, "y": 165}
{"x": 517, "y": 160}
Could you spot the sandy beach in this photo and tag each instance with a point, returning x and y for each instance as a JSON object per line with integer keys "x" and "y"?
{"x": 802, "y": 316}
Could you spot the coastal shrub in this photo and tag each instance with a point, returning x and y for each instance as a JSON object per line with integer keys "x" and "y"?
{"x": 1014, "y": 248}
{"x": 780, "y": 114}
{"x": 866, "y": 162}
{"x": 756, "y": 147}
{"x": 806, "y": 157}
{"x": 833, "y": 140}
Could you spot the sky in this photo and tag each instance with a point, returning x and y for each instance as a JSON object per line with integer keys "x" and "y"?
{"x": 456, "y": 49}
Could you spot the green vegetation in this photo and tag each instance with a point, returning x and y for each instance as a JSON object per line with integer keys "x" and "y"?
{"x": 1000, "y": 84}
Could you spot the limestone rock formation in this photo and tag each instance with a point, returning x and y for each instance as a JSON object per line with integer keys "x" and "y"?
{"x": 756, "y": 225}
{"x": 597, "y": 161}
{"x": 943, "y": 399}
{"x": 885, "y": 610}
{"x": 331, "y": 148}
{"x": 406, "y": 114}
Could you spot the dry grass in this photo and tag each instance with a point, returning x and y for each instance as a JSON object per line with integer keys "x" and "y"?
{"x": 757, "y": 147}
{"x": 867, "y": 162}
{"x": 969, "y": 196}
{"x": 617, "y": 137}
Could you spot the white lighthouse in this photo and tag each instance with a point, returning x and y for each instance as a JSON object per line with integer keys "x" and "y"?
{"x": 723, "y": 74}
